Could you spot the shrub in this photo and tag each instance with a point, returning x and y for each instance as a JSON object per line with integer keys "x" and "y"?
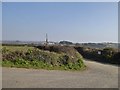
{"x": 43, "y": 59}
{"x": 108, "y": 55}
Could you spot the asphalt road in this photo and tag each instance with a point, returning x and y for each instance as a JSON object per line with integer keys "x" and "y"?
{"x": 96, "y": 76}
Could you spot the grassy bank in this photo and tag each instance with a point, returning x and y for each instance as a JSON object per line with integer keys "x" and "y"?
{"x": 41, "y": 65}
{"x": 29, "y": 57}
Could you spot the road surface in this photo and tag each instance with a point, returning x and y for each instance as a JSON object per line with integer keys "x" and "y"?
{"x": 96, "y": 76}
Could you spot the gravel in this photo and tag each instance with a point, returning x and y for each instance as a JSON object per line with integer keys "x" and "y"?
{"x": 96, "y": 75}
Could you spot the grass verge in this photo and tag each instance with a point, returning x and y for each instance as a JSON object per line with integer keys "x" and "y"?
{"x": 41, "y": 65}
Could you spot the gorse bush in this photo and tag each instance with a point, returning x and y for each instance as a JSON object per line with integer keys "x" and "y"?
{"x": 71, "y": 54}
{"x": 42, "y": 59}
{"x": 106, "y": 55}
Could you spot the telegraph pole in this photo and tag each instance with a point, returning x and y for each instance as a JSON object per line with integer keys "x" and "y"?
{"x": 46, "y": 39}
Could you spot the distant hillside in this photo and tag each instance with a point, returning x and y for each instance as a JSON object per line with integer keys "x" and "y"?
{"x": 91, "y": 45}
{"x": 100, "y": 45}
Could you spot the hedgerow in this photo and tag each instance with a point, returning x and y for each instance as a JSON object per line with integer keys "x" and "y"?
{"x": 36, "y": 58}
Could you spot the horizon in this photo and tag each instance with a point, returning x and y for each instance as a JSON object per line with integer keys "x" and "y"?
{"x": 54, "y": 41}
{"x": 74, "y": 22}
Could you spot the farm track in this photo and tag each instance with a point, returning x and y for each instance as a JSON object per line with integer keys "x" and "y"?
{"x": 96, "y": 76}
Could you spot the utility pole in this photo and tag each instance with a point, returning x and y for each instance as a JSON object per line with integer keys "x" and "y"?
{"x": 46, "y": 39}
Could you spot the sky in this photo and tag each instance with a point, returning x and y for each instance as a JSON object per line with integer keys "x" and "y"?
{"x": 0, "y": 21}
{"x": 70, "y": 21}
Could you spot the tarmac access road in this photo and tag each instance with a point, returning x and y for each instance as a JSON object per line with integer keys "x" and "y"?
{"x": 97, "y": 75}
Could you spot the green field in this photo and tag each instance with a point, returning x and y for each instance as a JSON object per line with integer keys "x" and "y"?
{"x": 18, "y": 48}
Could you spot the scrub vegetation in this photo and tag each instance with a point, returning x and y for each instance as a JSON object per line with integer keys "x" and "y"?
{"x": 106, "y": 55}
{"x": 66, "y": 58}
